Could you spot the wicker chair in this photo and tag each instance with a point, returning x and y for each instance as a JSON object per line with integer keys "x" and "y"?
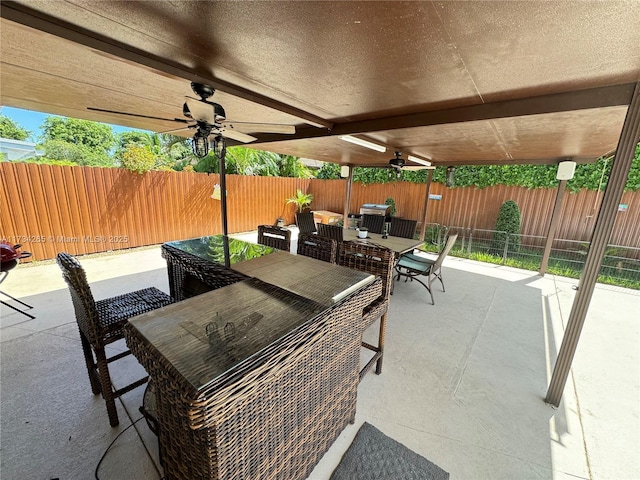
{"x": 402, "y": 227}
{"x": 412, "y": 266}
{"x": 330, "y": 231}
{"x": 275, "y": 237}
{"x": 376, "y": 260}
{"x": 306, "y": 222}
{"x": 100, "y": 323}
{"x": 317, "y": 246}
{"x": 374, "y": 223}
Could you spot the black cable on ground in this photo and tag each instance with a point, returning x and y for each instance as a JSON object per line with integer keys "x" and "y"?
{"x": 111, "y": 444}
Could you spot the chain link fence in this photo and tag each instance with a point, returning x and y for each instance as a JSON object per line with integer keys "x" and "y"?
{"x": 620, "y": 266}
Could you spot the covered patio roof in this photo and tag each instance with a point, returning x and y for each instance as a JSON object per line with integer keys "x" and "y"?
{"x": 450, "y": 82}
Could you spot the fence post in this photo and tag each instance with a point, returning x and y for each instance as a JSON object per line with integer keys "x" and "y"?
{"x": 506, "y": 248}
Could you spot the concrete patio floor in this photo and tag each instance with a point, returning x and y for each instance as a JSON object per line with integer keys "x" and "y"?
{"x": 463, "y": 381}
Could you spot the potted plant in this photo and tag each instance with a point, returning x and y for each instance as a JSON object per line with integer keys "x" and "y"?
{"x": 302, "y": 200}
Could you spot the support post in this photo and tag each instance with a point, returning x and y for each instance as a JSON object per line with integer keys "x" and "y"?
{"x": 223, "y": 206}
{"x": 601, "y": 234}
{"x": 347, "y": 199}
{"x": 426, "y": 204}
{"x": 553, "y": 225}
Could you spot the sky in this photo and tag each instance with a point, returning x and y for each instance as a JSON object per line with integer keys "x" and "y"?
{"x": 32, "y": 121}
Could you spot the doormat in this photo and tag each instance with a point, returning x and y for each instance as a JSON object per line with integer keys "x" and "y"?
{"x": 374, "y": 456}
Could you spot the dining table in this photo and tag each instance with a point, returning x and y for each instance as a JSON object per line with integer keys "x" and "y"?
{"x": 399, "y": 245}
{"x": 257, "y": 376}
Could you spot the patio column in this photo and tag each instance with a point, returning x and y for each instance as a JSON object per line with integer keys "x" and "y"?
{"x": 223, "y": 206}
{"x": 426, "y": 203}
{"x": 601, "y": 234}
{"x": 347, "y": 199}
{"x": 551, "y": 233}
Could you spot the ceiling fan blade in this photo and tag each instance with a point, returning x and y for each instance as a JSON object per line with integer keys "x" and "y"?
{"x": 235, "y": 135}
{"x": 260, "y": 127}
{"x": 415, "y": 168}
{"x": 174, "y": 130}
{"x": 181, "y": 120}
{"x": 201, "y": 111}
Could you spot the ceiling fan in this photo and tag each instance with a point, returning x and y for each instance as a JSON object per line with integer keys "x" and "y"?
{"x": 209, "y": 118}
{"x": 399, "y": 164}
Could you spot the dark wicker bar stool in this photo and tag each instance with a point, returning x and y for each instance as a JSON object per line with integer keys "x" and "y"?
{"x": 275, "y": 237}
{"x": 100, "y": 323}
{"x": 402, "y": 227}
{"x": 306, "y": 222}
{"x": 374, "y": 223}
{"x": 317, "y": 246}
{"x": 331, "y": 231}
{"x": 380, "y": 261}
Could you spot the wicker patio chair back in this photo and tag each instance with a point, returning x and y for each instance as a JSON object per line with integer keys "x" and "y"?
{"x": 100, "y": 323}
{"x": 402, "y": 227}
{"x": 330, "y": 231}
{"x": 275, "y": 237}
{"x": 317, "y": 246}
{"x": 84, "y": 304}
{"x": 366, "y": 257}
{"x": 306, "y": 223}
{"x": 376, "y": 260}
{"x": 374, "y": 223}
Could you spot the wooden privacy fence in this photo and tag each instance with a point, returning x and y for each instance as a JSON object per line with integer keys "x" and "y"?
{"x": 88, "y": 209}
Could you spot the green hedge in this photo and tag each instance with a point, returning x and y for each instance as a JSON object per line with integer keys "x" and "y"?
{"x": 591, "y": 176}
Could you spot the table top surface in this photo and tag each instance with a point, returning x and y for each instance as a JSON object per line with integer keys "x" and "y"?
{"x": 322, "y": 282}
{"x": 205, "y": 336}
{"x": 397, "y": 244}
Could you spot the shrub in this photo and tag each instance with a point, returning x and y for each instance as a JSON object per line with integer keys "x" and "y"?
{"x": 508, "y": 223}
{"x": 138, "y": 159}
{"x": 390, "y": 201}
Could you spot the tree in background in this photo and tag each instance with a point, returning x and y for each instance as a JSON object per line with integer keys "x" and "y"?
{"x": 80, "y": 141}
{"x": 12, "y": 130}
{"x": 143, "y": 151}
{"x": 249, "y": 161}
{"x": 507, "y": 226}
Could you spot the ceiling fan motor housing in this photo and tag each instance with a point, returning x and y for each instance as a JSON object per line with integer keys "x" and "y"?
{"x": 398, "y": 161}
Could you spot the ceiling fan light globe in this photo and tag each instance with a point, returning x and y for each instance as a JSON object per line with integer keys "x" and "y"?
{"x": 200, "y": 145}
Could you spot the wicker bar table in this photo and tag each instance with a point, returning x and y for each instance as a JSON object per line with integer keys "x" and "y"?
{"x": 197, "y": 265}
{"x": 254, "y": 381}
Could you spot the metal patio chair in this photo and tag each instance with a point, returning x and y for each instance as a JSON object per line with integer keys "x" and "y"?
{"x": 413, "y": 266}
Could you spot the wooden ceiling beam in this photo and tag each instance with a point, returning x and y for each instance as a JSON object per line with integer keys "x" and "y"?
{"x": 597, "y": 97}
{"x": 32, "y": 18}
